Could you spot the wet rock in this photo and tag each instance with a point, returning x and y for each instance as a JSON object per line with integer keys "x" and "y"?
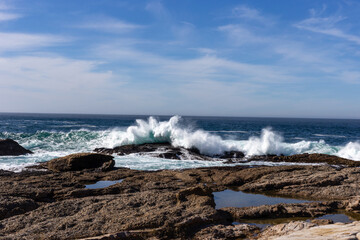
{"x": 302, "y": 230}
{"x": 80, "y": 161}
{"x": 9, "y": 147}
{"x": 322, "y": 221}
{"x": 312, "y": 209}
{"x": 232, "y": 155}
{"x": 160, "y": 150}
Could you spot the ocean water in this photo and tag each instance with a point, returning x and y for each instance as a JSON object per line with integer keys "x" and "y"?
{"x": 55, "y": 135}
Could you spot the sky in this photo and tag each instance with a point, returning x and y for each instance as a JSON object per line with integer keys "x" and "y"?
{"x": 279, "y": 58}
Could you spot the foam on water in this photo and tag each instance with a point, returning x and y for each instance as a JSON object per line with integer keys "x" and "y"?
{"x": 47, "y": 145}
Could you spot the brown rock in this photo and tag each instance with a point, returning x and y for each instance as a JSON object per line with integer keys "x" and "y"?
{"x": 80, "y": 161}
{"x": 10, "y": 206}
{"x": 226, "y": 232}
{"x": 9, "y": 147}
{"x": 308, "y": 158}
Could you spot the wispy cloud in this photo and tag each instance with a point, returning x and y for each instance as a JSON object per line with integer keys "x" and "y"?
{"x": 248, "y": 13}
{"x": 239, "y": 34}
{"x": 22, "y": 41}
{"x": 8, "y": 16}
{"x": 111, "y": 25}
{"x": 327, "y": 26}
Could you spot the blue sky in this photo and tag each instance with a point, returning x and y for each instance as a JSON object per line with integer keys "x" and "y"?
{"x": 279, "y": 58}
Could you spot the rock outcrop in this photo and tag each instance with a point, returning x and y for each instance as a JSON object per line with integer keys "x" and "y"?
{"x": 310, "y": 231}
{"x": 80, "y": 161}
{"x": 308, "y": 158}
{"x": 9, "y": 147}
{"x": 166, "y": 204}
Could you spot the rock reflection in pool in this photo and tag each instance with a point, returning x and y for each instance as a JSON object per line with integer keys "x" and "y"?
{"x": 229, "y": 198}
{"x": 102, "y": 184}
{"x": 336, "y": 218}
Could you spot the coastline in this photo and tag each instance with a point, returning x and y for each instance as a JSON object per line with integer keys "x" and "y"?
{"x": 166, "y": 204}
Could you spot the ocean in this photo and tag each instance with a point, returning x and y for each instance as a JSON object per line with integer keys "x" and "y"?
{"x": 54, "y": 135}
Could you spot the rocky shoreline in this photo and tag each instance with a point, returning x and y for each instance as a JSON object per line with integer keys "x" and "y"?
{"x": 176, "y": 204}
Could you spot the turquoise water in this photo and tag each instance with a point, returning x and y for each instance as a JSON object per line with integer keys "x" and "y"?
{"x": 54, "y": 135}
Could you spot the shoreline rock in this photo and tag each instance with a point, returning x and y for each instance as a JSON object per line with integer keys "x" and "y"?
{"x": 9, "y": 147}
{"x": 167, "y": 151}
{"x": 80, "y": 161}
{"x": 165, "y": 204}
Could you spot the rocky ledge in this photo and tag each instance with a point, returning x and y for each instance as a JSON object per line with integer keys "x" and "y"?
{"x": 170, "y": 204}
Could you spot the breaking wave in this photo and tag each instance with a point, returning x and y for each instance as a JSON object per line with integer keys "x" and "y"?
{"x": 269, "y": 141}
{"x": 49, "y": 144}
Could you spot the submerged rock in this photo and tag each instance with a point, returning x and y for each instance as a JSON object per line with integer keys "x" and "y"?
{"x": 9, "y": 147}
{"x": 80, "y": 161}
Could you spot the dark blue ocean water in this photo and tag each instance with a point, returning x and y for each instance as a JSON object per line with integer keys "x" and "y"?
{"x": 52, "y": 135}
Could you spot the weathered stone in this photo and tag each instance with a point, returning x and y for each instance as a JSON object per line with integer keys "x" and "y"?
{"x": 167, "y": 204}
{"x": 10, "y": 206}
{"x": 226, "y": 232}
{"x": 80, "y": 161}
{"x": 302, "y": 230}
{"x": 9, "y": 147}
{"x": 308, "y": 158}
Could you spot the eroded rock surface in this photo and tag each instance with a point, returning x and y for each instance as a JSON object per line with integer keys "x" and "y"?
{"x": 303, "y": 230}
{"x": 9, "y": 147}
{"x": 80, "y": 161}
{"x": 167, "y": 204}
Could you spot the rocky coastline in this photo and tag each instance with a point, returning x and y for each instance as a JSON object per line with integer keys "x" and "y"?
{"x": 52, "y": 201}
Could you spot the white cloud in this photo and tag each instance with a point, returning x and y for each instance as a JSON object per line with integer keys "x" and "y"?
{"x": 52, "y": 84}
{"x": 248, "y": 13}
{"x": 110, "y": 25}
{"x": 327, "y": 26}
{"x": 8, "y": 16}
{"x": 239, "y": 34}
{"x": 22, "y": 41}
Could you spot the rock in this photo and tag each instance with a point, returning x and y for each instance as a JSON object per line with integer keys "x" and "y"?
{"x": 160, "y": 150}
{"x": 226, "y": 232}
{"x": 166, "y": 204}
{"x": 354, "y": 204}
{"x": 332, "y": 231}
{"x": 308, "y": 158}
{"x": 9, "y": 147}
{"x": 312, "y": 209}
{"x": 284, "y": 229}
{"x": 10, "y": 206}
{"x": 322, "y": 221}
{"x": 80, "y": 161}
{"x": 232, "y": 154}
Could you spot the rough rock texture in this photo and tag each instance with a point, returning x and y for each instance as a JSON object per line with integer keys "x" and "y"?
{"x": 80, "y": 161}
{"x": 285, "y": 229}
{"x": 226, "y": 232}
{"x": 312, "y": 209}
{"x": 9, "y": 147}
{"x": 303, "y": 230}
{"x": 309, "y": 158}
{"x": 167, "y": 204}
{"x": 10, "y": 206}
